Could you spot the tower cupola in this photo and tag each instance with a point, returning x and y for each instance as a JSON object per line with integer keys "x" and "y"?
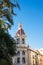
{"x": 20, "y": 31}
{"x": 20, "y": 35}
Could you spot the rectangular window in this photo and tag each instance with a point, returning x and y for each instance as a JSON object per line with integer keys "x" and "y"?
{"x": 18, "y": 52}
{"x": 23, "y": 52}
{"x": 18, "y": 40}
{"x": 23, "y": 40}
{"x": 18, "y": 60}
{"x": 23, "y": 60}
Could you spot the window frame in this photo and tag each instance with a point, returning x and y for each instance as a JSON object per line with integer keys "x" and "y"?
{"x": 23, "y": 52}
{"x": 18, "y": 40}
{"x": 18, "y": 60}
{"x": 18, "y": 52}
{"x": 23, "y": 40}
{"x": 23, "y": 60}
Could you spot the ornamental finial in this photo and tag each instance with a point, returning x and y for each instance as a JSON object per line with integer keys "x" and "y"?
{"x": 19, "y": 25}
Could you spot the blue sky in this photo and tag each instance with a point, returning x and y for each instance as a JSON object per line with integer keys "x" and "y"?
{"x": 31, "y": 17}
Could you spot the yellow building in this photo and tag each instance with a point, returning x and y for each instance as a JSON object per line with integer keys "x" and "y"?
{"x": 40, "y": 56}
{"x": 33, "y": 57}
{"x": 36, "y": 57}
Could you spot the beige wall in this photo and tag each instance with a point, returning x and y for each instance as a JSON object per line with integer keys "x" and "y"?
{"x": 36, "y": 58}
{"x": 40, "y": 59}
{"x": 32, "y": 57}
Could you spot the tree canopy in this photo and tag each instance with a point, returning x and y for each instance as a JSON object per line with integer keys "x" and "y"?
{"x": 7, "y": 12}
{"x": 7, "y": 43}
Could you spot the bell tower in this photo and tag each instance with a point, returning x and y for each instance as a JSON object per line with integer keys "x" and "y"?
{"x": 20, "y": 36}
{"x": 21, "y": 58}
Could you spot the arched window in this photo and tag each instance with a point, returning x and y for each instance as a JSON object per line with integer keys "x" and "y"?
{"x": 18, "y": 60}
{"x": 23, "y": 60}
{"x": 18, "y": 52}
{"x": 23, "y": 52}
{"x": 23, "y": 41}
{"x": 18, "y": 40}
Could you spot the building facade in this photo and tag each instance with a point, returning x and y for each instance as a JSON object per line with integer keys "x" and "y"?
{"x": 40, "y": 56}
{"x": 22, "y": 57}
{"x": 25, "y": 55}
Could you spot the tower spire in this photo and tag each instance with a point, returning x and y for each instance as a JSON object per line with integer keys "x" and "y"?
{"x": 19, "y": 25}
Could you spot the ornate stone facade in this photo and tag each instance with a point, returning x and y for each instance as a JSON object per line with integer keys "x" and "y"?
{"x": 25, "y": 55}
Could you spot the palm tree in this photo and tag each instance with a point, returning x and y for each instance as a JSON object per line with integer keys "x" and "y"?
{"x": 7, "y": 43}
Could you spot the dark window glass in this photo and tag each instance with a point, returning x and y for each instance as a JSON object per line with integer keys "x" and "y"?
{"x": 23, "y": 60}
{"x": 18, "y": 52}
{"x": 18, "y": 40}
{"x": 23, "y": 52}
{"x": 18, "y": 60}
{"x": 23, "y": 41}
